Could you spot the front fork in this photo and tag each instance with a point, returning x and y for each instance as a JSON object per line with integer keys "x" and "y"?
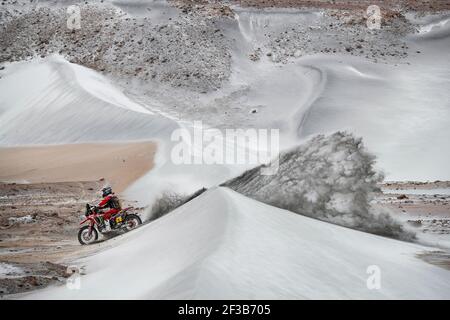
{"x": 92, "y": 223}
{"x": 91, "y": 227}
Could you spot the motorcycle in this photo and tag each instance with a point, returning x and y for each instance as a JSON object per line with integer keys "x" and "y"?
{"x": 121, "y": 221}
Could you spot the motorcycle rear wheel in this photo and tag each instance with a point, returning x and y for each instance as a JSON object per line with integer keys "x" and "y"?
{"x": 132, "y": 221}
{"x": 84, "y": 237}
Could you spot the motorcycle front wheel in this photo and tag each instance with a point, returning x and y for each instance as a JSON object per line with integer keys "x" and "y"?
{"x": 85, "y": 238}
{"x": 132, "y": 221}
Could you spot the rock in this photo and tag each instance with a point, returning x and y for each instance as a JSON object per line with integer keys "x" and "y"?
{"x": 402, "y": 196}
{"x": 32, "y": 281}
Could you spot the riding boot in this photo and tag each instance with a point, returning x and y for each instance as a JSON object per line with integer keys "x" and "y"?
{"x": 107, "y": 225}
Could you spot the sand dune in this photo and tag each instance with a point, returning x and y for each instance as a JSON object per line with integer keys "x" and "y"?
{"x": 119, "y": 164}
{"x": 60, "y": 102}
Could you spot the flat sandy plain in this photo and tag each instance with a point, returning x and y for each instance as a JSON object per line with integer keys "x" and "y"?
{"x": 119, "y": 164}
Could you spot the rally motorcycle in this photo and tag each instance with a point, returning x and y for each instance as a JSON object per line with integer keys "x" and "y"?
{"x": 121, "y": 221}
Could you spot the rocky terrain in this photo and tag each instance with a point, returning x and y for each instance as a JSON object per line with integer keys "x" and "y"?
{"x": 38, "y": 232}
{"x": 189, "y": 51}
{"x": 22, "y": 277}
{"x": 342, "y": 33}
{"x": 342, "y": 29}
{"x": 47, "y": 210}
{"x": 425, "y": 206}
{"x": 386, "y": 5}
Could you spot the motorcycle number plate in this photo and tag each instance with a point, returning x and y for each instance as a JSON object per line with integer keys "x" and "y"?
{"x": 118, "y": 219}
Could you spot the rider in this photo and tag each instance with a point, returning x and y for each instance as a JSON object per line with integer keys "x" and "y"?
{"x": 109, "y": 201}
